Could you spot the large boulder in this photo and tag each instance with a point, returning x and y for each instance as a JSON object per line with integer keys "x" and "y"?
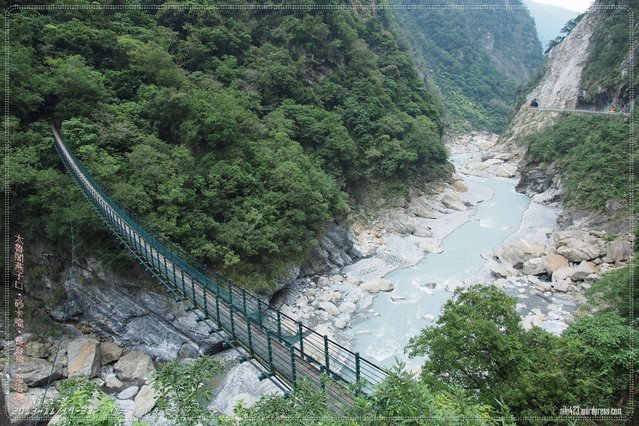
{"x": 109, "y": 352}
{"x": 83, "y": 357}
{"x": 617, "y": 250}
{"x": 135, "y": 365}
{"x": 145, "y": 400}
{"x": 329, "y": 307}
{"x": 536, "y": 266}
{"x": 554, "y": 262}
{"x": 577, "y": 246}
{"x": 517, "y": 252}
{"x": 500, "y": 270}
{"x": 453, "y": 201}
{"x": 582, "y": 271}
{"x": 375, "y": 286}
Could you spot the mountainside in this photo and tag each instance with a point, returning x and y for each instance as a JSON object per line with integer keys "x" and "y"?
{"x": 584, "y": 157}
{"x": 477, "y": 58}
{"x": 235, "y": 133}
{"x": 549, "y": 20}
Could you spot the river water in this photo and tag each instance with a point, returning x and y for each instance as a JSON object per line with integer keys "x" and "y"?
{"x": 382, "y": 338}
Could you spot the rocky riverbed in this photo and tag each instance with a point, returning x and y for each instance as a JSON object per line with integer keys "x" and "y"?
{"x": 546, "y": 264}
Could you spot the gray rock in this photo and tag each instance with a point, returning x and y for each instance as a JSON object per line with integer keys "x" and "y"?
{"x": 375, "y": 286}
{"x": 144, "y": 402}
{"x": 582, "y": 271}
{"x": 140, "y": 318}
{"x": 517, "y": 252}
{"x": 113, "y": 382}
{"x": 555, "y": 327}
{"x": 135, "y": 365}
{"x": 336, "y": 249}
{"x": 36, "y": 349}
{"x": 536, "y": 266}
{"x": 563, "y": 274}
{"x": 329, "y": 307}
{"x": 617, "y": 250}
{"x": 422, "y": 231}
{"x": 129, "y": 392}
{"x": 241, "y": 379}
{"x": 554, "y": 262}
{"x": 577, "y": 246}
{"x": 34, "y": 371}
{"x": 562, "y": 285}
{"x": 83, "y": 357}
{"x": 109, "y": 352}
{"x": 342, "y": 321}
{"x": 245, "y": 399}
{"x": 499, "y": 270}
{"x": 348, "y": 307}
{"x": 453, "y": 201}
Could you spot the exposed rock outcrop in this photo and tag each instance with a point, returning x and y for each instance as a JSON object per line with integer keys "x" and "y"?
{"x": 335, "y": 250}
{"x": 136, "y": 317}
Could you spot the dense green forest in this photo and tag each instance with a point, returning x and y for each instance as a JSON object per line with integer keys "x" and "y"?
{"x": 594, "y": 154}
{"x": 476, "y": 57}
{"x": 235, "y": 133}
{"x": 606, "y": 76}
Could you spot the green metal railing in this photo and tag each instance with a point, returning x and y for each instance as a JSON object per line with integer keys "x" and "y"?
{"x": 285, "y": 347}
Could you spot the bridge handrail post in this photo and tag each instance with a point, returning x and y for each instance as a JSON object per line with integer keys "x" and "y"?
{"x": 193, "y": 291}
{"x": 174, "y": 278}
{"x": 326, "y": 355}
{"x": 244, "y": 302}
{"x": 230, "y": 290}
{"x": 279, "y": 324}
{"x": 293, "y": 372}
{"x": 301, "y": 334}
{"x": 270, "y": 351}
{"x": 357, "y": 370}
{"x": 206, "y": 309}
{"x": 217, "y": 310}
{"x": 183, "y": 283}
{"x": 250, "y": 337}
{"x": 259, "y": 311}
{"x": 232, "y": 321}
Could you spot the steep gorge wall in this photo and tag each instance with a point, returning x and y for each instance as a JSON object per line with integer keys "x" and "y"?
{"x": 559, "y": 86}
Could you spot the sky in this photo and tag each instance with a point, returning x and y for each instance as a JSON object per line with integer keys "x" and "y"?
{"x": 578, "y": 5}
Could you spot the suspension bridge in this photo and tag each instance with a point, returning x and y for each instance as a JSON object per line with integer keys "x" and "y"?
{"x": 286, "y": 349}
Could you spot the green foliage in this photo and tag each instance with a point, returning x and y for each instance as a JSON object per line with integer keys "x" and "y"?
{"x": 401, "y": 399}
{"x": 182, "y": 389}
{"x": 234, "y": 133}
{"x": 80, "y": 403}
{"x": 476, "y": 58}
{"x": 593, "y": 154}
{"x": 612, "y": 293}
{"x": 602, "y": 79}
{"x": 478, "y": 343}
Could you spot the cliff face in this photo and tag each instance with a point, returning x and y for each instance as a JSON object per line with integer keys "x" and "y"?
{"x": 559, "y": 86}
{"x": 575, "y": 157}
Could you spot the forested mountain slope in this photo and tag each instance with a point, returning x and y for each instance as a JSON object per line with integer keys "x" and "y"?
{"x": 477, "y": 57}
{"x": 236, "y": 133}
